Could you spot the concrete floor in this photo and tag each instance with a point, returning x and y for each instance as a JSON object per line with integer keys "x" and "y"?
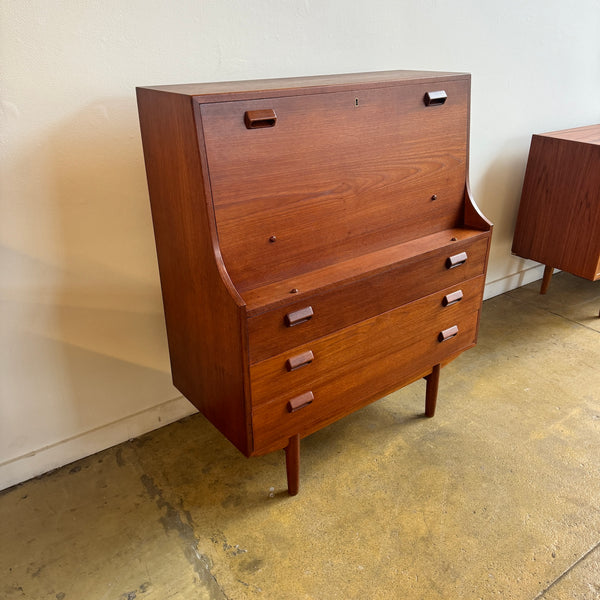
{"x": 498, "y": 496}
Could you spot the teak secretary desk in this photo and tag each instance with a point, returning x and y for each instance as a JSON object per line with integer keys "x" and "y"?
{"x": 317, "y": 243}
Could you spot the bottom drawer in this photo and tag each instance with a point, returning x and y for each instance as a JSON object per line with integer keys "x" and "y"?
{"x": 365, "y": 362}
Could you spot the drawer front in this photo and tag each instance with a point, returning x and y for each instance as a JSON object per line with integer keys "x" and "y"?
{"x": 271, "y": 332}
{"x": 373, "y": 158}
{"x": 348, "y": 369}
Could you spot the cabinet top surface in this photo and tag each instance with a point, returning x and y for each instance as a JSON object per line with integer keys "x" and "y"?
{"x": 309, "y": 84}
{"x": 589, "y": 134}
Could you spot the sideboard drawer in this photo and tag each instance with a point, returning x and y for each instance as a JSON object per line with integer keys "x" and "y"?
{"x": 353, "y": 368}
{"x": 270, "y": 333}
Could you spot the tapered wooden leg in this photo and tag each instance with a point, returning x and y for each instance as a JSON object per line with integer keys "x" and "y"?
{"x": 548, "y": 270}
{"x": 292, "y": 464}
{"x": 433, "y": 380}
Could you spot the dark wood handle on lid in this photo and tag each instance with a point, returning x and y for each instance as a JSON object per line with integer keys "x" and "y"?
{"x": 298, "y": 316}
{"x": 259, "y": 119}
{"x": 300, "y": 402}
{"x": 435, "y": 98}
{"x": 456, "y": 260}
{"x": 448, "y": 333}
{"x": 452, "y": 298}
{"x": 300, "y": 360}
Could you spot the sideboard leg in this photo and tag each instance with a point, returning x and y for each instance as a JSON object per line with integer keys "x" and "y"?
{"x": 548, "y": 270}
{"x": 433, "y": 379}
{"x": 292, "y": 464}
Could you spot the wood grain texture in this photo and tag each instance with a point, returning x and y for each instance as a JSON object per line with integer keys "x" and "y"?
{"x": 589, "y": 134}
{"x": 424, "y": 256}
{"x": 304, "y": 231}
{"x": 336, "y": 158}
{"x": 341, "y": 352}
{"x": 205, "y": 345}
{"x": 558, "y": 223}
{"x": 353, "y": 368}
{"x": 223, "y": 91}
{"x": 370, "y": 293}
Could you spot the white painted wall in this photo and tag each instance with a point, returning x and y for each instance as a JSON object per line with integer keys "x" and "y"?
{"x": 83, "y": 356}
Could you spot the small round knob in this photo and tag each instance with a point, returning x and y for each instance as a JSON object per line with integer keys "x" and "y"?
{"x": 434, "y": 197}
{"x": 273, "y": 239}
{"x": 294, "y": 291}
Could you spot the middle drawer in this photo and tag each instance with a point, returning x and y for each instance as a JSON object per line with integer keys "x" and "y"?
{"x": 337, "y": 353}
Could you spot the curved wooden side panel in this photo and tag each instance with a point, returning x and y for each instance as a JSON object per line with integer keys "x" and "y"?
{"x": 473, "y": 217}
{"x": 205, "y": 315}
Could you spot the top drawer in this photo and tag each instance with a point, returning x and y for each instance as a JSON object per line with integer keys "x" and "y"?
{"x": 330, "y": 172}
{"x": 291, "y": 325}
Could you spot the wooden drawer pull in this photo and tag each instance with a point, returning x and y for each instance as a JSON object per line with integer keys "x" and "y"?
{"x": 452, "y": 298}
{"x": 300, "y": 360}
{"x": 456, "y": 260}
{"x": 434, "y": 98}
{"x": 300, "y": 402}
{"x": 298, "y": 316}
{"x": 448, "y": 333}
{"x": 258, "y": 119}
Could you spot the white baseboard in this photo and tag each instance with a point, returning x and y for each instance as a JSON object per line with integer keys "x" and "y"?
{"x": 42, "y": 460}
{"x": 511, "y": 282}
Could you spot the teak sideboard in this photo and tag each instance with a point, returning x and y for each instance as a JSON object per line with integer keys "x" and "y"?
{"x": 317, "y": 244}
{"x": 558, "y": 223}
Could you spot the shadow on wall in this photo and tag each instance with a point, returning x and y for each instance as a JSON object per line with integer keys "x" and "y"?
{"x": 106, "y": 239}
{"x": 89, "y": 323}
{"x": 498, "y": 194}
{"x": 503, "y": 180}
